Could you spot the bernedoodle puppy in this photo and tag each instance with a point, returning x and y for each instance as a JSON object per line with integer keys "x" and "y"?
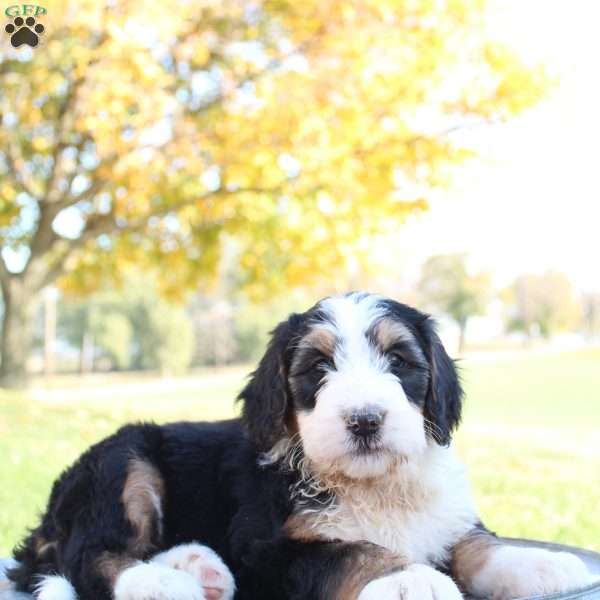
{"x": 337, "y": 482}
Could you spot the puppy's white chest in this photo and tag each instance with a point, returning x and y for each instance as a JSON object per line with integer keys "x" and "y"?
{"x": 391, "y": 527}
{"x": 417, "y": 534}
{"x": 419, "y": 520}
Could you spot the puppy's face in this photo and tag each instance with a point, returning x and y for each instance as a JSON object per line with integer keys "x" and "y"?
{"x": 365, "y": 382}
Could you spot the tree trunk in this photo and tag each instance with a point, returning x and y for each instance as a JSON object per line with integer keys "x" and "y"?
{"x": 49, "y": 331}
{"x": 86, "y": 355}
{"x": 17, "y": 331}
{"x": 462, "y": 336}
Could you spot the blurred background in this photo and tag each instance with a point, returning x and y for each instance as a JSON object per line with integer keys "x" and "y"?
{"x": 176, "y": 177}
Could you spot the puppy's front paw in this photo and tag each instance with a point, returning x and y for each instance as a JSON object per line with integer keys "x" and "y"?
{"x": 514, "y": 572}
{"x": 416, "y": 582}
{"x": 147, "y": 581}
{"x": 204, "y": 565}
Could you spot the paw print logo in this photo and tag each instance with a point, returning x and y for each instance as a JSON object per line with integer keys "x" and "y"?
{"x": 24, "y": 31}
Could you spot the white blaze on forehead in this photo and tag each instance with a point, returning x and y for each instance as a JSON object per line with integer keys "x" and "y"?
{"x": 350, "y": 318}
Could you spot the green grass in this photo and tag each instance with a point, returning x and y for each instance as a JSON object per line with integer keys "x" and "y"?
{"x": 531, "y": 441}
{"x": 530, "y": 438}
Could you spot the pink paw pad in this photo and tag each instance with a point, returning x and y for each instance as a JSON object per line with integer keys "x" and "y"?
{"x": 205, "y": 566}
{"x": 213, "y": 581}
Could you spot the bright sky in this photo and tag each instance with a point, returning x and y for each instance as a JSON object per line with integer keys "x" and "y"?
{"x": 533, "y": 202}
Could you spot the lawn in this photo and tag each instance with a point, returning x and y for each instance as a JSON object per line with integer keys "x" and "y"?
{"x": 530, "y": 438}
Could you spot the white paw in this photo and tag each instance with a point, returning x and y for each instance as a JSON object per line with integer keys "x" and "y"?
{"x": 416, "y": 582}
{"x": 513, "y": 572}
{"x": 205, "y": 565}
{"x": 148, "y": 581}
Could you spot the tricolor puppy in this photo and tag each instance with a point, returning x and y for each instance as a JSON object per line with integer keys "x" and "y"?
{"x": 338, "y": 482}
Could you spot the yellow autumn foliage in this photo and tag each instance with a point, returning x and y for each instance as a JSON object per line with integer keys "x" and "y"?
{"x": 300, "y": 129}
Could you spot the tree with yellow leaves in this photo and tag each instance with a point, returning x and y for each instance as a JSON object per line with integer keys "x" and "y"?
{"x": 144, "y": 132}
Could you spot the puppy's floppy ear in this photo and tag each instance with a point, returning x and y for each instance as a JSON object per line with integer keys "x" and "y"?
{"x": 443, "y": 403}
{"x": 266, "y": 396}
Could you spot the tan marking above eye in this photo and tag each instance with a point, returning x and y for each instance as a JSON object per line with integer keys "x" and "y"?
{"x": 320, "y": 338}
{"x": 389, "y": 332}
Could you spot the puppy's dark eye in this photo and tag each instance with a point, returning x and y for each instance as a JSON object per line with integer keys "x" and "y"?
{"x": 398, "y": 361}
{"x": 323, "y": 364}
{"x": 318, "y": 364}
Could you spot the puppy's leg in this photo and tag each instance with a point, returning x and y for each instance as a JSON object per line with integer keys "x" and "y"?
{"x": 104, "y": 518}
{"x": 319, "y": 570}
{"x": 204, "y": 565}
{"x": 128, "y": 576}
{"x": 153, "y": 581}
{"x": 487, "y": 568}
{"x": 416, "y": 582}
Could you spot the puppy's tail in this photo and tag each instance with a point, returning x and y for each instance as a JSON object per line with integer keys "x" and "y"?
{"x": 47, "y": 587}
{"x": 34, "y": 570}
{"x": 54, "y": 587}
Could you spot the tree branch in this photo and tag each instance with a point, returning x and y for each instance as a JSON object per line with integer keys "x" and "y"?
{"x": 45, "y": 237}
{"x": 16, "y": 172}
{"x": 59, "y": 143}
{"x": 176, "y": 206}
{"x": 64, "y": 112}
{"x": 98, "y": 225}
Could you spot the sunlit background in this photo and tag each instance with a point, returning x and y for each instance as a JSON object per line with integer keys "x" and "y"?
{"x": 530, "y": 204}
{"x": 176, "y": 178}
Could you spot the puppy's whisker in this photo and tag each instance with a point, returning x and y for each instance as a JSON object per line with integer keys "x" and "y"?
{"x": 433, "y": 430}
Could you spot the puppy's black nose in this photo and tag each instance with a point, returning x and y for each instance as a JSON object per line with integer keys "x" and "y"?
{"x": 366, "y": 422}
